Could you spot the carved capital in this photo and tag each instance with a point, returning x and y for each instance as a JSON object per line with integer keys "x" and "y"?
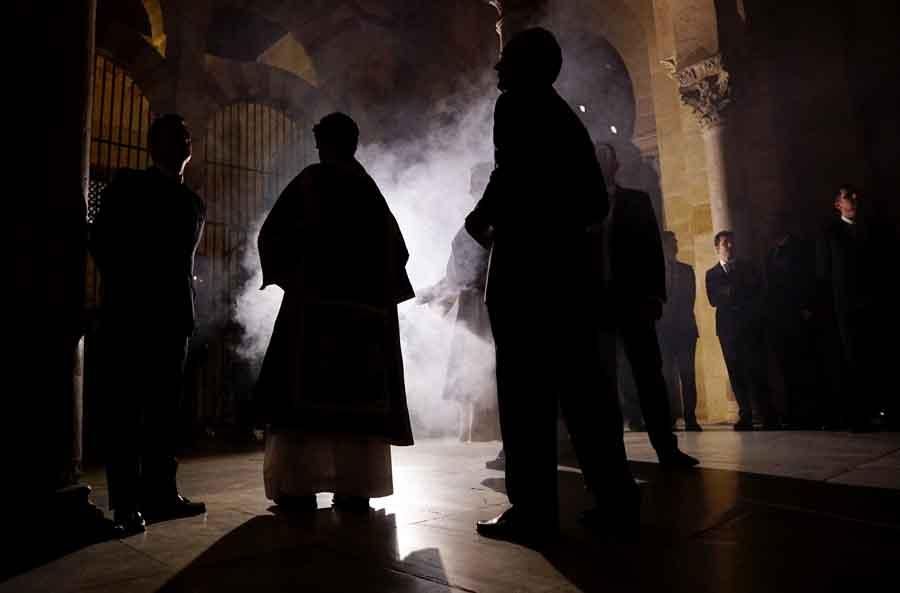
{"x": 704, "y": 87}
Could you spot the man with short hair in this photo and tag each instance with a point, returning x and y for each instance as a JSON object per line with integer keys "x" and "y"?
{"x": 143, "y": 241}
{"x": 851, "y": 264}
{"x": 544, "y": 193}
{"x": 734, "y": 288}
{"x": 331, "y": 387}
{"x": 634, "y": 277}
{"x": 677, "y": 330}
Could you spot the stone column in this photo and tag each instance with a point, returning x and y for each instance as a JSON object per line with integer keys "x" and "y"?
{"x": 704, "y": 87}
{"x": 46, "y": 318}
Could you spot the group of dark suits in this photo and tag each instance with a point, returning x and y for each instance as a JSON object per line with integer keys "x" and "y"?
{"x": 818, "y": 307}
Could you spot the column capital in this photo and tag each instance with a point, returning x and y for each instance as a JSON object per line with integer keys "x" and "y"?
{"x": 703, "y": 86}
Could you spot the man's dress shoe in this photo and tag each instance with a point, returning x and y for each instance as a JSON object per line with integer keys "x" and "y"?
{"x": 127, "y": 523}
{"x": 677, "y": 459}
{"x": 515, "y": 526}
{"x": 355, "y": 504}
{"x": 174, "y": 508}
{"x": 290, "y": 504}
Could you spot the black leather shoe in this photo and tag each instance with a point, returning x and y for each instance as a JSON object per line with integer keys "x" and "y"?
{"x": 694, "y": 427}
{"x": 128, "y": 523}
{"x": 512, "y": 525}
{"x": 291, "y": 504}
{"x": 355, "y": 504}
{"x": 174, "y": 508}
{"x": 621, "y": 521}
{"x": 677, "y": 459}
{"x": 637, "y": 426}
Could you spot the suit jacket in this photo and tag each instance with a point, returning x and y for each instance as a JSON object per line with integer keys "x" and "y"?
{"x": 848, "y": 263}
{"x": 546, "y": 189}
{"x": 790, "y": 282}
{"x": 143, "y": 240}
{"x": 737, "y": 297}
{"x": 678, "y": 321}
{"x": 637, "y": 263}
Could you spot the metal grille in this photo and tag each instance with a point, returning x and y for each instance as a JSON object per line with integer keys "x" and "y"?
{"x": 120, "y": 118}
{"x": 251, "y": 152}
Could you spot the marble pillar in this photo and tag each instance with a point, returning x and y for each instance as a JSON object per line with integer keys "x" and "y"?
{"x": 705, "y": 87}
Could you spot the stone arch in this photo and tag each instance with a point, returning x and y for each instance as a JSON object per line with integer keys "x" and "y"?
{"x": 157, "y": 25}
{"x": 617, "y": 40}
{"x": 231, "y": 81}
{"x": 134, "y": 53}
{"x": 629, "y": 30}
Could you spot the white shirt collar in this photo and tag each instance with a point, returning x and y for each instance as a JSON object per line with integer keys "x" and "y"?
{"x": 847, "y": 220}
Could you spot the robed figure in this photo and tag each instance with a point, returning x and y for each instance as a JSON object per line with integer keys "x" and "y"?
{"x": 331, "y": 388}
{"x": 470, "y": 380}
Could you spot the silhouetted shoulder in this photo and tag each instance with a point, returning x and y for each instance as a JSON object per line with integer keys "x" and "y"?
{"x": 684, "y": 268}
{"x": 123, "y": 179}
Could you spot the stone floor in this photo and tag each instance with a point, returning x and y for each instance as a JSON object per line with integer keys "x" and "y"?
{"x": 768, "y": 511}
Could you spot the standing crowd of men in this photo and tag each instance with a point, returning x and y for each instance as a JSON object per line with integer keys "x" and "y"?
{"x": 576, "y": 264}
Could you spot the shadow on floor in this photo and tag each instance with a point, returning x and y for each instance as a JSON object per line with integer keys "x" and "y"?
{"x": 716, "y": 530}
{"x": 322, "y": 550}
{"x": 41, "y": 531}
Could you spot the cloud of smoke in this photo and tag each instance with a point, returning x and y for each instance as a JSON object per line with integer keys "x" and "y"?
{"x": 426, "y": 185}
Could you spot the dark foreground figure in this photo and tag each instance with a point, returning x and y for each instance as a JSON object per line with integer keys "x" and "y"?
{"x": 144, "y": 240}
{"x": 634, "y": 292}
{"x": 331, "y": 387}
{"x": 546, "y": 190}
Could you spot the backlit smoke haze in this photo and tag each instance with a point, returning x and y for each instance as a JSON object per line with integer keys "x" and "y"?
{"x": 426, "y": 185}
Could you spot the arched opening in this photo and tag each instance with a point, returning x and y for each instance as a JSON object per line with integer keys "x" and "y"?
{"x": 596, "y": 81}
{"x": 120, "y": 120}
{"x": 251, "y": 152}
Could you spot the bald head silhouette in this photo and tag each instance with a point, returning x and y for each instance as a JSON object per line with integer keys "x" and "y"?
{"x": 532, "y": 58}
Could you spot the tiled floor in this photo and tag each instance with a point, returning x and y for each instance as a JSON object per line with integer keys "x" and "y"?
{"x": 773, "y": 511}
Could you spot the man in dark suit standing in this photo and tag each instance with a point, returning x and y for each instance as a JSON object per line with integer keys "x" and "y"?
{"x": 734, "y": 288}
{"x": 634, "y": 273}
{"x": 677, "y": 330}
{"x": 143, "y": 240}
{"x": 790, "y": 290}
{"x": 544, "y": 193}
{"x": 851, "y": 266}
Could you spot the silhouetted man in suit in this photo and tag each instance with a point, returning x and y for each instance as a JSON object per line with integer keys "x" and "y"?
{"x": 734, "y": 288}
{"x": 677, "y": 330}
{"x": 634, "y": 272}
{"x": 790, "y": 292}
{"x": 852, "y": 268}
{"x": 143, "y": 240}
{"x": 545, "y": 191}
